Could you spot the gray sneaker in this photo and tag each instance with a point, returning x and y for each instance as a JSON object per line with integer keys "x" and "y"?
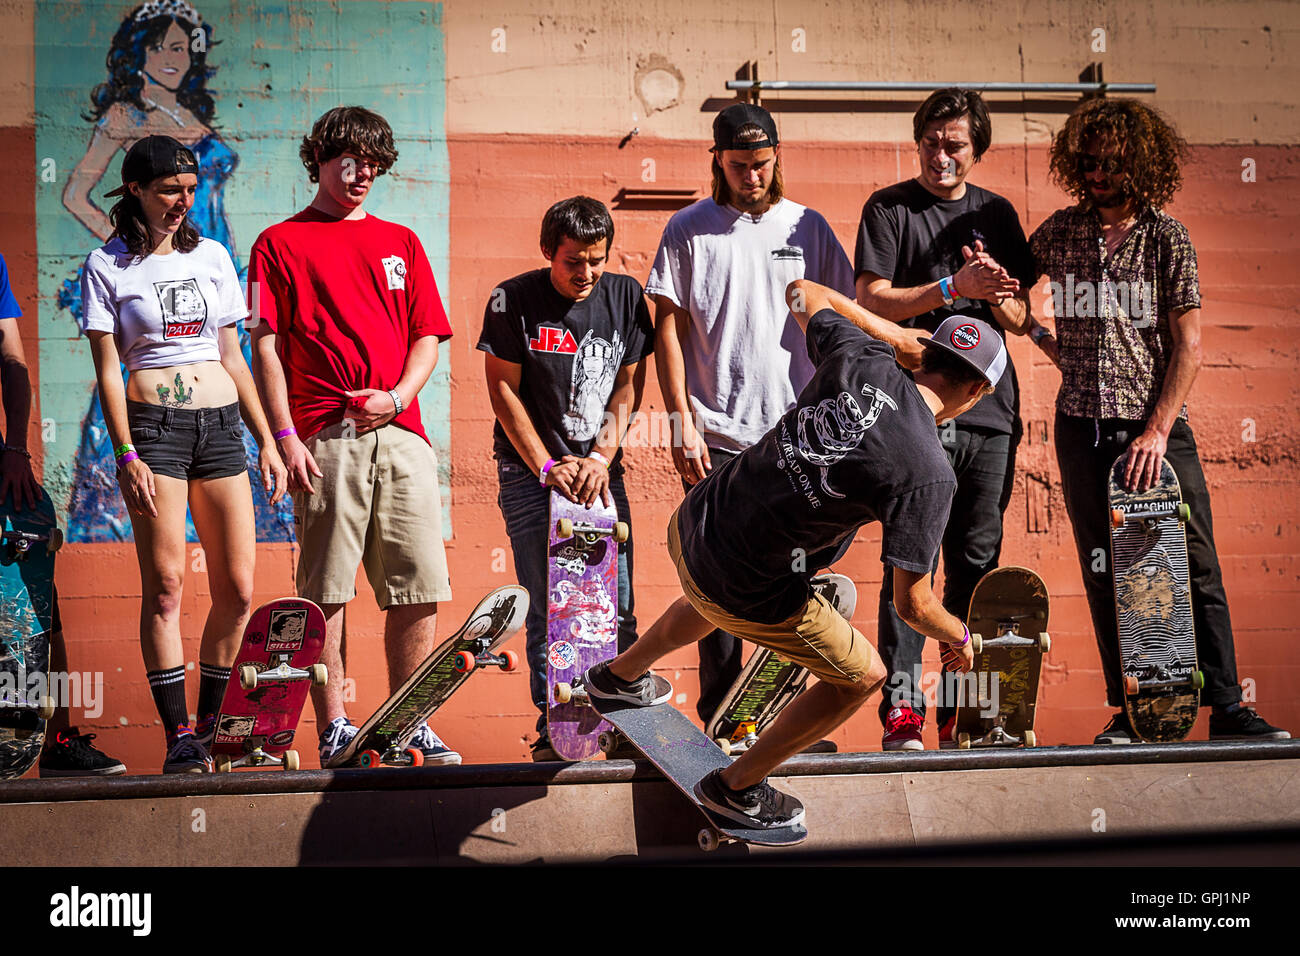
{"x": 646, "y": 691}
{"x": 761, "y": 805}
{"x": 436, "y": 753}
{"x": 186, "y": 754}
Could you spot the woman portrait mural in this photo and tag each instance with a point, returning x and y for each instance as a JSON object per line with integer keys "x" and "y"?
{"x": 157, "y": 84}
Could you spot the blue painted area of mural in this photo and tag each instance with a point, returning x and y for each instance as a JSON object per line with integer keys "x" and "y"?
{"x": 280, "y": 66}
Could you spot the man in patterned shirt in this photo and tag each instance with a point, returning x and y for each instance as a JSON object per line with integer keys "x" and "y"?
{"x": 1127, "y": 305}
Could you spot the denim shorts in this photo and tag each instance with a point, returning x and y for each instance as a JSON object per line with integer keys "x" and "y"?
{"x": 188, "y": 443}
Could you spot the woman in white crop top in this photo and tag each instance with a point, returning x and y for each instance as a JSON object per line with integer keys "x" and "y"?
{"x": 164, "y": 301}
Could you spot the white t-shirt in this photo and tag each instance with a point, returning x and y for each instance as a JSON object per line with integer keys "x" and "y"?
{"x": 746, "y": 359}
{"x": 162, "y": 310}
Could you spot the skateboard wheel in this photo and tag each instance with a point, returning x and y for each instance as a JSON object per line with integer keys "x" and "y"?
{"x": 46, "y": 709}
{"x": 708, "y": 840}
{"x": 1184, "y": 512}
{"x": 564, "y": 528}
{"x": 511, "y": 661}
{"x": 369, "y": 758}
{"x": 1117, "y": 517}
{"x": 320, "y": 675}
{"x": 963, "y": 741}
{"x": 464, "y": 662}
{"x": 1198, "y": 680}
{"x": 1044, "y": 642}
{"x": 416, "y": 755}
{"x": 221, "y": 763}
{"x": 1130, "y": 685}
{"x": 1030, "y": 739}
{"x": 563, "y": 693}
{"x": 725, "y": 744}
{"x": 290, "y": 760}
{"x": 248, "y": 677}
{"x": 976, "y": 643}
{"x": 621, "y": 531}
{"x": 608, "y": 742}
{"x": 54, "y": 541}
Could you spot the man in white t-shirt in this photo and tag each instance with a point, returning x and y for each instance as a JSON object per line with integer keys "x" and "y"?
{"x": 731, "y": 358}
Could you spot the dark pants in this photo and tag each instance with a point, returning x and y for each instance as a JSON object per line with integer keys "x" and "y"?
{"x": 984, "y": 462}
{"x": 526, "y": 507}
{"x": 1085, "y": 450}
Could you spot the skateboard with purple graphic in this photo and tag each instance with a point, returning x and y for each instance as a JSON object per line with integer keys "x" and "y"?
{"x": 581, "y": 618}
{"x": 1153, "y": 605}
{"x": 277, "y": 665}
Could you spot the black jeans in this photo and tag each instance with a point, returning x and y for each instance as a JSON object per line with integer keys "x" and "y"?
{"x": 984, "y": 462}
{"x": 1085, "y": 450}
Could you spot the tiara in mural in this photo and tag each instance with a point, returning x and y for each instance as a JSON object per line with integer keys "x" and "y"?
{"x": 167, "y": 8}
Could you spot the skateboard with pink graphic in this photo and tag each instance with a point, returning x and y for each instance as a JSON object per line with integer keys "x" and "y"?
{"x": 581, "y": 618}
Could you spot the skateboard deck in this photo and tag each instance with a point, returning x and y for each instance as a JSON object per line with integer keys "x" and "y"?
{"x": 1153, "y": 606}
{"x": 997, "y": 699}
{"x": 768, "y": 682}
{"x": 581, "y": 617}
{"x": 383, "y": 738}
{"x": 30, "y": 539}
{"x": 684, "y": 755}
{"x": 276, "y": 666}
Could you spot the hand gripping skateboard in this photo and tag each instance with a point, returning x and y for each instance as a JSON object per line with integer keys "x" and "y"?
{"x": 1157, "y": 641}
{"x": 30, "y": 539}
{"x": 997, "y": 699}
{"x": 768, "y": 683}
{"x": 383, "y": 738}
{"x": 277, "y": 664}
{"x": 581, "y": 618}
{"x": 685, "y": 756}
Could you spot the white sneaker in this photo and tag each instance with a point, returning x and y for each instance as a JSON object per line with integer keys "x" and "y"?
{"x": 335, "y": 737}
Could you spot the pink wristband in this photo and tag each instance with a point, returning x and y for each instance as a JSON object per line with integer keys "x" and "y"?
{"x": 128, "y": 457}
{"x": 550, "y": 463}
{"x": 966, "y": 640}
{"x": 285, "y": 432}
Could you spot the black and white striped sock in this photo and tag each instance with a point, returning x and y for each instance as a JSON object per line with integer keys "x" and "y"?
{"x": 168, "y": 687}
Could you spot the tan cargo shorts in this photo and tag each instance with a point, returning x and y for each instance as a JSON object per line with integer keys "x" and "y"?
{"x": 376, "y": 504}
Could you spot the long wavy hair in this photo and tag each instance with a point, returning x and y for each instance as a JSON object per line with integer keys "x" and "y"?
{"x": 1149, "y": 149}
{"x": 130, "y": 225}
{"x": 125, "y": 64}
{"x": 749, "y": 133}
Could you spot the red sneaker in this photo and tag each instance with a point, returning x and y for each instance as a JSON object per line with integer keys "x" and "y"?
{"x": 903, "y": 729}
{"x": 945, "y": 734}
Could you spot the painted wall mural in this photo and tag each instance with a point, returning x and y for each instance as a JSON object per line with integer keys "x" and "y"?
{"x": 241, "y": 88}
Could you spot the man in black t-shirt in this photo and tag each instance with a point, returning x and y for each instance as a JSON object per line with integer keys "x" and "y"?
{"x": 859, "y": 446}
{"x": 929, "y": 248}
{"x": 564, "y": 368}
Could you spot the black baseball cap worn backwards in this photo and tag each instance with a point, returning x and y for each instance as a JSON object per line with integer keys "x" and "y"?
{"x": 729, "y": 122}
{"x": 154, "y": 157}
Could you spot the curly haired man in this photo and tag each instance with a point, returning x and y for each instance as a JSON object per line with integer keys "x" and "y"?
{"x": 1128, "y": 310}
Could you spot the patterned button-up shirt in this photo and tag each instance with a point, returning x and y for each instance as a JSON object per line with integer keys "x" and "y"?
{"x": 1113, "y": 312}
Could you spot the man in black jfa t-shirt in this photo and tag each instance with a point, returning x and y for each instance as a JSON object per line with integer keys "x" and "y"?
{"x": 564, "y": 351}
{"x": 929, "y": 248}
{"x": 859, "y": 446}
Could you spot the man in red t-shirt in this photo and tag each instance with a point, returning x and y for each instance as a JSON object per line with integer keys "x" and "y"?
{"x": 351, "y": 321}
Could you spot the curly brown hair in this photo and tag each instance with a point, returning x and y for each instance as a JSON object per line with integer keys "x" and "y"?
{"x": 348, "y": 129}
{"x": 1149, "y": 149}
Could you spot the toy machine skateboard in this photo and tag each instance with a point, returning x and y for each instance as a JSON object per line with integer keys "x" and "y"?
{"x": 685, "y": 756}
{"x": 998, "y": 697}
{"x": 581, "y": 618}
{"x": 1157, "y": 641}
{"x": 384, "y": 737}
{"x": 277, "y": 664}
{"x": 768, "y": 683}
{"x": 30, "y": 539}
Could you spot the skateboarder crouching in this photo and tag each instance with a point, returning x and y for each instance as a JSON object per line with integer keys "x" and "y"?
{"x": 860, "y": 445}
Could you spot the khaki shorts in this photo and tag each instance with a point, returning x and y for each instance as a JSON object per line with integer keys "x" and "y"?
{"x": 815, "y": 636}
{"x": 378, "y": 505}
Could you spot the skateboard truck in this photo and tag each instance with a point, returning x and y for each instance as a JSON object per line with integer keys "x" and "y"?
{"x": 1132, "y": 685}
{"x": 250, "y": 677}
{"x": 1182, "y": 511}
{"x": 18, "y": 543}
{"x": 467, "y": 661}
{"x": 255, "y": 756}
{"x": 590, "y": 533}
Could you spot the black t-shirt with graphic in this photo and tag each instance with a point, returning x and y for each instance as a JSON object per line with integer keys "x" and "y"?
{"x": 860, "y": 445}
{"x": 911, "y": 237}
{"x": 570, "y": 353}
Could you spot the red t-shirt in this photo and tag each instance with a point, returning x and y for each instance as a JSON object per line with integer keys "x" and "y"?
{"x": 346, "y": 299}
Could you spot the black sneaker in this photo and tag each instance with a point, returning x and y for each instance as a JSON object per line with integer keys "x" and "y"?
{"x": 186, "y": 755}
{"x": 1118, "y": 731}
{"x": 70, "y": 754}
{"x": 761, "y": 805}
{"x": 646, "y": 691}
{"x": 1243, "y": 724}
{"x": 542, "y": 751}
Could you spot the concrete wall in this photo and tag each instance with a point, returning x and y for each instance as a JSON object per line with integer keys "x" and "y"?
{"x": 537, "y": 106}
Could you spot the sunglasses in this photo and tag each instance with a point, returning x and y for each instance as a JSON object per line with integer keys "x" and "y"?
{"x": 1090, "y": 164}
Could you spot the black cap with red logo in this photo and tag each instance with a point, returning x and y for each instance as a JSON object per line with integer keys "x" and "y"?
{"x": 973, "y": 341}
